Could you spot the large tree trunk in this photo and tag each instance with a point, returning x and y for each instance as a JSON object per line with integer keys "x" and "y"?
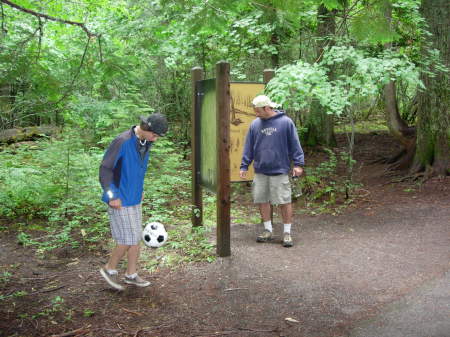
{"x": 319, "y": 124}
{"x": 398, "y": 128}
{"x": 433, "y": 120}
{"x": 396, "y": 125}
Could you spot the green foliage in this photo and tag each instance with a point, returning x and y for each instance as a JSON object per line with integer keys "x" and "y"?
{"x": 372, "y": 25}
{"x": 28, "y": 190}
{"x": 54, "y": 180}
{"x": 324, "y": 187}
{"x": 88, "y": 313}
{"x": 356, "y": 76}
{"x": 5, "y": 277}
{"x": 98, "y": 117}
{"x": 318, "y": 182}
{"x": 142, "y": 58}
{"x": 56, "y": 306}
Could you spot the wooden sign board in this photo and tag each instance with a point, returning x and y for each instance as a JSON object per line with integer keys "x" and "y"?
{"x": 241, "y": 115}
{"x": 206, "y": 92}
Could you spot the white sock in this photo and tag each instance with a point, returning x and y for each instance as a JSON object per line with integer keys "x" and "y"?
{"x": 111, "y": 271}
{"x": 268, "y": 225}
{"x": 287, "y": 228}
{"x": 131, "y": 276}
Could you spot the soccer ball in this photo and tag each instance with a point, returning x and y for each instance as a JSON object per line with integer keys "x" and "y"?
{"x": 154, "y": 235}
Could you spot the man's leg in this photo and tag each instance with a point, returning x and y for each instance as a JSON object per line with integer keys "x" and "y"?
{"x": 133, "y": 257}
{"x": 131, "y": 277}
{"x": 116, "y": 255}
{"x": 260, "y": 191}
{"x": 264, "y": 210}
{"x": 286, "y": 214}
{"x": 109, "y": 271}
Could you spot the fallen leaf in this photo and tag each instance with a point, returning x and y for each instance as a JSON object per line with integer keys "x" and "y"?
{"x": 291, "y": 320}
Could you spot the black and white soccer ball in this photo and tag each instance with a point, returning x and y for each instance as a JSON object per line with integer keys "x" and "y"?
{"x": 154, "y": 235}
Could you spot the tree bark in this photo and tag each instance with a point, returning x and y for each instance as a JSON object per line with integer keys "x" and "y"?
{"x": 275, "y": 58}
{"x": 433, "y": 120}
{"x": 319, "y": 124}
{"x": 397, "y": 126}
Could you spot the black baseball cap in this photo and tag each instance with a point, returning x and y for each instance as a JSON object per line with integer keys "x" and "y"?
{"x": 156, "y": 123}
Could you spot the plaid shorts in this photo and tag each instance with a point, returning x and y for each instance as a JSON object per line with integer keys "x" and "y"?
{"x": 126, "y": 224}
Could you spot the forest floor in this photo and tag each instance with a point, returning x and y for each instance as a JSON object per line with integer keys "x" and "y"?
{"x": 379, "y": 268}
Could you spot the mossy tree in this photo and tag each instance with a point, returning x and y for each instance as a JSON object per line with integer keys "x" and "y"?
{"x": 433, "y": 120}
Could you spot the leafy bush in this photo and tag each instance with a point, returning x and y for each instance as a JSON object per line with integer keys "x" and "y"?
{"x": 323, "y": 184}
{"x": 27, "y": 190}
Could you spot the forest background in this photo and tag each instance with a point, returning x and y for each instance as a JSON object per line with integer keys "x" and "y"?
{"x": 90, "y": 68}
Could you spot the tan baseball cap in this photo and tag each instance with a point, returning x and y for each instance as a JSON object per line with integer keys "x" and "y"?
{"x": 262, "y": 100}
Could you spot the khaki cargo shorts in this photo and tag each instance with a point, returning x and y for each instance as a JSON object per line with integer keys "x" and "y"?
{"x": 273, "y": 189}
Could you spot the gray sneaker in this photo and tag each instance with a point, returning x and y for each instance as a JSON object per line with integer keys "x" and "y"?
{"x": 287, "y": 240}
{"x": 264, "y": 236}
{"x": 111, "y": 279}
{"x": 137, "y": 281}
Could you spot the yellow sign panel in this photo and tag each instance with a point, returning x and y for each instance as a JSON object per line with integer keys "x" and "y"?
{"x": 241, "y": 115}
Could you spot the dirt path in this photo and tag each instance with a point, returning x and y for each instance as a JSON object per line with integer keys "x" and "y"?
{"x": 342, "y": 275}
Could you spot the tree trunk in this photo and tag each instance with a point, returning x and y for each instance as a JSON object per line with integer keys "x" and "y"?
{"x": 398, "y": 128}
{"x": 275, "y": 58}
{"x": 319, "y": 124}
{"x": 433, "y": 120}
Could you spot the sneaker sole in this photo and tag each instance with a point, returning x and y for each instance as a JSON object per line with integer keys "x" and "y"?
{"x": 111, "y": 283}
{"x": 142, "y": 285}
{"x": 287, "y": 245}
{"x": 263, "y": 240}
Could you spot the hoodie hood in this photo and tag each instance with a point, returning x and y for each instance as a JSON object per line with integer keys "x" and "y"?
{"x": 278, "y": 114}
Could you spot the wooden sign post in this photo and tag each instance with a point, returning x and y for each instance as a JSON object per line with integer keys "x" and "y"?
{"x": 223, "y": 158}
{"x": 219, "y": 124}
{"x": 197, "y": 204}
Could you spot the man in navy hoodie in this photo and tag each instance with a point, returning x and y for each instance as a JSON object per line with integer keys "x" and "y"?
{"x": 122, "y": 173}
{"x": 272, "y": 144}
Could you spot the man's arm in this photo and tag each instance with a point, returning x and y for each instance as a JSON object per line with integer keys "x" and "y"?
{"x": 295, "y": 151}
{"x": 247, "y": 155}
{"x": 106, "y": 173}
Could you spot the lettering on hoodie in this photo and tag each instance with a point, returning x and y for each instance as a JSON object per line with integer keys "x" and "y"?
{"x": 269, "y": 131}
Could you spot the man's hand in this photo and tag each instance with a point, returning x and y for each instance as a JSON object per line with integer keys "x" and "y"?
{"x": 116, "y": 203}
{"x": 242, "y": 174}
{"x": 297, "y": 171}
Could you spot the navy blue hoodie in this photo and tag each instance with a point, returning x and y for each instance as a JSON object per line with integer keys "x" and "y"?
{"x": 272, "y": 144}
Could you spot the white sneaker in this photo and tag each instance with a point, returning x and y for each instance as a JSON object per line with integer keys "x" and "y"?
{"x": 137, "y": 281}
{"x": 111, "y": 279}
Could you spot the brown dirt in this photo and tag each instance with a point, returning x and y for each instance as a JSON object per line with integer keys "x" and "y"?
{"x": 341, "y": 270}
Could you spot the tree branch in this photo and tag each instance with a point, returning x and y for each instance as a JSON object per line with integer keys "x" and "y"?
{"x": 3, "y": 19}
{"x": 76, "y": 74}
{"x": 48, "y": 17}
{"x": 41, "y": 34}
